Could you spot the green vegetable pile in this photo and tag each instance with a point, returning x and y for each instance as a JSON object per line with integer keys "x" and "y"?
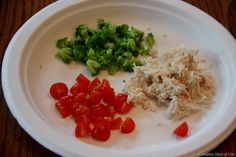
{"x": 109, "y": 47}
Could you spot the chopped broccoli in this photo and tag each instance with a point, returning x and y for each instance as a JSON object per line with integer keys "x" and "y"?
{"x": 150, "y": 40}
{"x": 82, "y": 31}
{"x": 113, "y": 68}
{"x": 63, "y": 43}
{"x": 80, "y": 53}
{"x": 93, "y": 66}
{"x": 65, "y": 54}
{"x": 112, "y": 47}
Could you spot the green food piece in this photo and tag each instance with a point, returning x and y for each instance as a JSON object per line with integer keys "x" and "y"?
{"x": 113, "y": 68}
{"x": 112, "y": 47}
{"x": 63, "y": 43}
{"x": 150, "y": 40}
{"x": 82, "y": 31}
{"x": 93, "y": 66}
{"x": 65, "y": 54}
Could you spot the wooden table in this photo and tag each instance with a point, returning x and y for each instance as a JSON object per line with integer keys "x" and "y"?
{"x": 14, "y": 141}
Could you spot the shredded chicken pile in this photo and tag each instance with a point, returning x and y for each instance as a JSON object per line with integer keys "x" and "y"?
{"x": 173, "y": 79}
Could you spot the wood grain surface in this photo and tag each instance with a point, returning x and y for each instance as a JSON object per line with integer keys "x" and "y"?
{"x": 14, "y": 141}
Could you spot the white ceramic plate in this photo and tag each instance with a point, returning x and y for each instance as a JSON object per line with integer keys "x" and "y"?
{"x": 30, "y": 67}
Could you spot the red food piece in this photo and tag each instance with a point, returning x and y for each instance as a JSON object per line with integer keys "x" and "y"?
{"x": 80, "y": 109}
{"x": 78, "y": 88}
{"x": 128, "y": 125}
{"x": 81, "y": 98}
{"x": 116, "y": 123}
{"x": 108, "y": 93}
{"x": 121, "y": 105}
{"x": 82, "y": 130}
{"x": 94, "y": 85}
{"x": 111, "y": 110}
{"x": 63, "y": 106}
{"x": 101, "y": 131}
{"x": 58, "y": 90}
{"x": 181, "y": 130}
{"x": 81, "y": 79}
{"x": 99, "y": 110}
{"x": 95, "y": 97}
{"x": 84, "y": 118}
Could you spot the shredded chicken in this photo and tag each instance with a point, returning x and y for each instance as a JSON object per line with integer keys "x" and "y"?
{"x": 173, "y": 79}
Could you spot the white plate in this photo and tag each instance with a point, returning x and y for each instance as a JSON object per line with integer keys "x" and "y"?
{"x": 30, "y": 67}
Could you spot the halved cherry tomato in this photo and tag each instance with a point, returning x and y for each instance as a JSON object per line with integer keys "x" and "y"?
{"x": 99, "y": 110}
{"x": 95, "y": 97}
{"x": 82, "y": 130}
{"x": 101, "y": 131}
{"x": 94, "y": 85}
{"x": 58, "y": 90}
{"x": 111, "y": 110}
{"x": 121, "y": 104}
{"x": 108, "y": 93}
{"x": 128, "y": 125}
{"x": 80, "y": 109}
{"x": 66, "y": 100}
{"x": 83, "y": 118}
{"x": 63, "y": 106}
{"x": 81, "y": 98}
{"x": 116, "y": 123}
{"x": 64, "y": 110}
{"x": 181, "y": 130}
{"x": 121, "y": 97}
{"x": 126, "y": 107}
{"x": 105, "y": 120}
{"x": 81, "y": 79}
{"x": 78, "y": 88}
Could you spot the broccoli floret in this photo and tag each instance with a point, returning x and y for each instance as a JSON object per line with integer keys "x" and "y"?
{"x": 63, "y": 43}
{"x": 113, "y": 68}
{"x": 93, "y": 66}
{"x": 65, "y": 54}
{"x": 82, "y": 31}
{"x": 80, "y": 53}
{"x": 122, "y": 30}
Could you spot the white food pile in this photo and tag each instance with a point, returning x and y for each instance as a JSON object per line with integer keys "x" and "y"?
{"x": 173, "y": 79}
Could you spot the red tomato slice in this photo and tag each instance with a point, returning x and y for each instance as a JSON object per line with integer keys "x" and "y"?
{"x": 116, "y": 123}
{"x": 128, "y": 125}
{"x": 181, "y": 130}
{"x": 94, "y": 85}
{"x": 111, "y": 110}
{"x": 82, "y": 130}
{"x": 101, "y": 131}
{"x": 108, "y": 93}
{"x": 66, "y": 100}
{"x": 82, "y": 118}
{"x": 105, "y": 121}
{"x": 78, "y": 88}
{"x": 99, "y": 110}
{"x": 126, "y": 107}
{"x": 81, "y": 79}
{"x": 95, "y": 97}
{"x": 81, "y": 98}
{"x": 58, "y": 90}
{"x": 121, "y": 105}
{"x": 63, "y": 109}
{"x": 121, "y": 97}
{"x": 80, "y": 109}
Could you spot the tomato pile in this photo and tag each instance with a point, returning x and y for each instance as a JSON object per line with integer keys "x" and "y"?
{"x": 94, "y": 105}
